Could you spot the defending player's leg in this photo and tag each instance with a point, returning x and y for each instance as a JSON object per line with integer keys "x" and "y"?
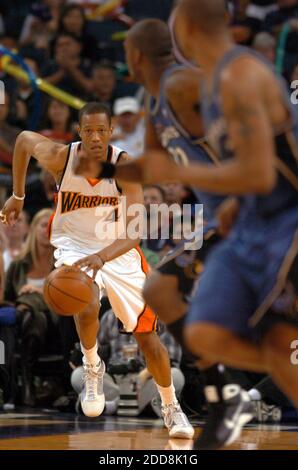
{"x": 167, "y": 291}
{"x": 158, "y": 364}
{"x": 87, "y": 324}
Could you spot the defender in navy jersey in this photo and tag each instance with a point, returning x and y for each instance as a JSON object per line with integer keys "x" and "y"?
{"x": 250, "y": 120}
{"x": 174, "y": 127}
{"x": 250, "y": 279}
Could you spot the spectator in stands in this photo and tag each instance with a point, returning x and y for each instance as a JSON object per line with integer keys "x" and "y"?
{"x": 58, "y": 122}
{"x": 73, "y": 20}
{"x": 265, "y": 44}
{"x": 24, "y": 98}
{"x": 15, "y": 236}
{"x": 41, "y": 23}
{"x": 38, "y": 327}
{"x": 103, "y": 84}
{"x": 127, "y": 374}
{"x": 154, "y": 244}
{"x": 174, "y": 192}
{"x": 129, "y": 133}
{"x": 8, "y": 135}
{"x": 10, "y": 42}
{"x": 287, "y": 13}
{"x": 256, "y": 12}
{"x": 67, "y": 70}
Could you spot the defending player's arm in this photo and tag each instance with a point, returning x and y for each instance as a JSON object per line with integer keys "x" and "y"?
{"x": 50, "y": 155}
{"x": 133, "y": 195}
{"x": 251, "y": 139}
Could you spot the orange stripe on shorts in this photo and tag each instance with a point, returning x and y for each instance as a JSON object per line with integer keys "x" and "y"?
{"x": 147, "y": 320}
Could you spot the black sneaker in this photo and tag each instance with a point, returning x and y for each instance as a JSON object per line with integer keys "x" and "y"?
{"x": 226, "y": 418}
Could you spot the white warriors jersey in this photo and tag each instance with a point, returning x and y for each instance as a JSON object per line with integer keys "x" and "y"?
{"x": 88, "y": 216}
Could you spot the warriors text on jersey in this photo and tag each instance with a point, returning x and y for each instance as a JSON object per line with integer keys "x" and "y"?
{"x": 87, "y": 209}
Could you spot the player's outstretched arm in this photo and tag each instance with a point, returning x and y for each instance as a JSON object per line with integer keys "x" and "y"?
{"x": 250, "y": 138}
{"x": 50, "y": 155}
{"x": 136, "y": 170}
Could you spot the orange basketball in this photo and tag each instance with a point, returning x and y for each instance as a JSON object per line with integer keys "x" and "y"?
{"x": 68, "y": 290}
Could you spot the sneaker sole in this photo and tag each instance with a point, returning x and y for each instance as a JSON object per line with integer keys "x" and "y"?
{"x": 93, "y": 413}
{"x": 243, "y": 420}
{"x": 182, "y": 434}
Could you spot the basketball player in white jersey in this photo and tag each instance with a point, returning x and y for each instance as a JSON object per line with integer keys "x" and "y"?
{"x": 87, "y": 209}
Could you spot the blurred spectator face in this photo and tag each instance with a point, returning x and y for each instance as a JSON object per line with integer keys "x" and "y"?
{"x": 8, "y": 42}
{"x": 53, "y": 3}
{"x": 74, "y": 20}
{"x": 58, "y": 112}
{"x": 42, "y": 237}
{"x": 174, "y": 193}
{"x": 265, "y": 45}
{"x": 152, "y": 195}
{"x": 67, "y": 46}
{"x": 4, "y": 109}
{"x": 128, "y": 122}
{"x": 127, "y": 110}
{"x": 104, "y": 81}
{"x": 19, "y": 230}
{"x": 286, "y": 3}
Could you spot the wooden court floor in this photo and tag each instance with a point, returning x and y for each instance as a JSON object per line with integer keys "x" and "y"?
{"x": 57, "y": 431}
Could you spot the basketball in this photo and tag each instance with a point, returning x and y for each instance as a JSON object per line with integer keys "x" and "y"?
{"x": 68, "y": 291}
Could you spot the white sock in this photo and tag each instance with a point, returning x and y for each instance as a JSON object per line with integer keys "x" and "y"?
{"x": 167, "y": 394}
{"x": 90, "y": 355}
{"x": 255, "y": 394}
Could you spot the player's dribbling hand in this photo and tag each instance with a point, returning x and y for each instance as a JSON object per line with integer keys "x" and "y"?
{"x": 91, "y": 263}
{"x": 85, "y": 165}
{"x": 11, "y": 211}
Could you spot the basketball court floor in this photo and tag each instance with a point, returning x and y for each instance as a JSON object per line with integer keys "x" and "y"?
{"x": 46, "y": 430}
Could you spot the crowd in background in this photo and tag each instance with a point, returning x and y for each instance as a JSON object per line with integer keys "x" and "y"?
{"x": 58, "y": 42}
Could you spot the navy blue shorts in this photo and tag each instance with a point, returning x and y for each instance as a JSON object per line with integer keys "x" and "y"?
{"x": 241, "y": 281}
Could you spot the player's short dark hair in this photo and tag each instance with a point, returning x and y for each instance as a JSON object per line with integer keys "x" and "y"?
{"x": 153, "y": 38}
{"x": 209, "y": 15}
{"x": 95, "y": 107}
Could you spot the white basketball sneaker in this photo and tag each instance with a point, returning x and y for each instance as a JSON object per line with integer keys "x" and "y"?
{"x": 92, "y": 397}
{"x": 176, "y": 421}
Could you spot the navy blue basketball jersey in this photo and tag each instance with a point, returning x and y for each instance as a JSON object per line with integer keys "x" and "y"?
{"x": 179, "y": 144}
{"x": 284, "y": 194}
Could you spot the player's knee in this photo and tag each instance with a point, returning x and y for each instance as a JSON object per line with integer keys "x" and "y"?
{"x": 90, "y": 314}
{"x": 161, "y": 294}
{"x": 276, "y": 343}
{"x": 206, "y": 339}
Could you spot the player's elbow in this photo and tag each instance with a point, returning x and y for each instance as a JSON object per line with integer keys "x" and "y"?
{"x": 23, "y": 139}
{"x": 265, "y": 182}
